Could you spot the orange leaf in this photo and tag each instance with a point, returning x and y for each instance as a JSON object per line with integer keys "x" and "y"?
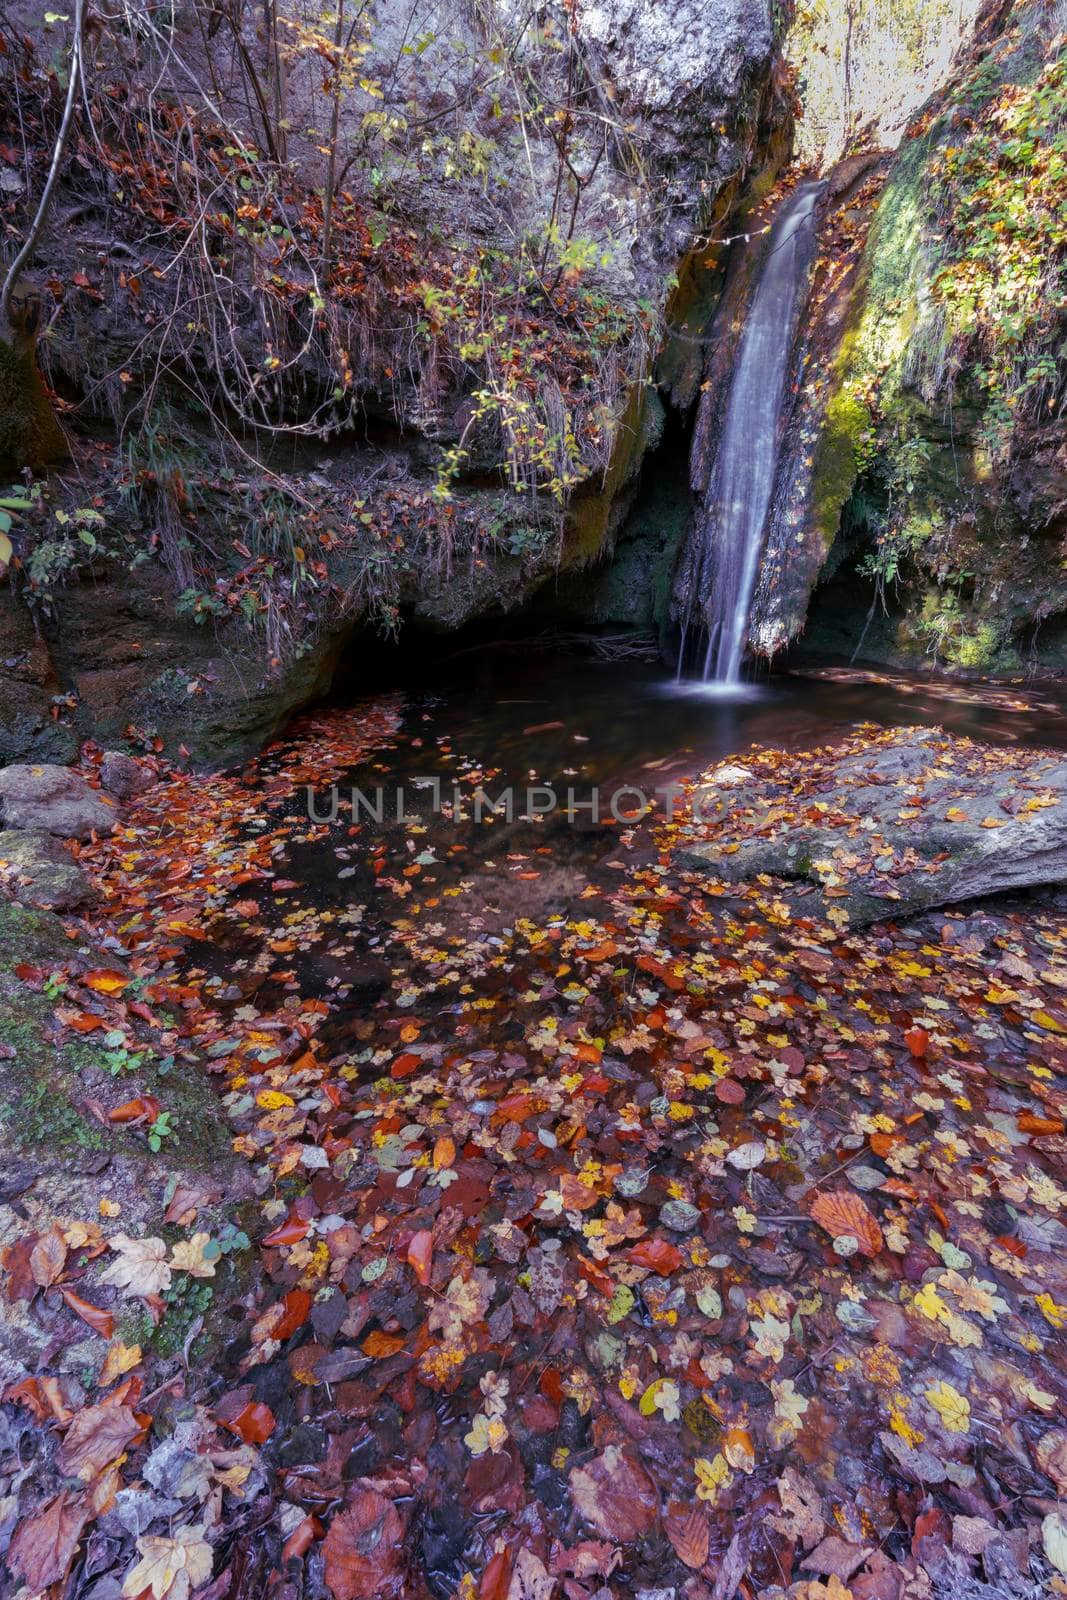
{"x": 86, "y": 1022}
{"x": 254, "y": 1424}
{"x": 843, "y": 1214}
{"x": 105, "y": 981}
{"x": 444, "y": 1152}
{"x": 659, "y": 1255}
{"x": 917, "y": 1040}
{"x": 146, "y": 1105}
{"x": 101, "y": 1322}
{"x": 405, "y": 1065}
{"x": 380, "y": 1345}
{"x": 420, "y": 1257}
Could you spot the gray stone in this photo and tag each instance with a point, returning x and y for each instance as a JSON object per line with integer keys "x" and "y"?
{"x": 49, "y": 799}
{"x": 38, "y": 871}
{"x": 878, "y": 865}
{"x": 122, "y": 775}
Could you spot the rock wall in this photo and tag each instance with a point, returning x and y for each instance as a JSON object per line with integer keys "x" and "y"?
{"x": 937, "y": 496}
{"x": 434, "y": 416}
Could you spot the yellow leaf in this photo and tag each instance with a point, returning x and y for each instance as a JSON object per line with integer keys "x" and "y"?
{"x": 5, "y": 550}
{"x": 1055, "y": 1315}
{"x": 953, "y": 1408}
{"x": 273, "y": 1099}
{"x": 930, "y": 1303}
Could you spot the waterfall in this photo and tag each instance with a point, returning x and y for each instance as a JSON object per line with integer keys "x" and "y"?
{"x": 730, "y": 526}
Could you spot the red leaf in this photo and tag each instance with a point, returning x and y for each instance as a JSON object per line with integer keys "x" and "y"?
{"x": 291, "y": 1231}
{"x": 405, "y": 1065}
{"x": 254, "y": 1424}
{"x": 44, "y": 1545}
{"x": 659, "y": 1255}
{"x": 362, "y": 1549}
{"x": 917, "y": 1040}
{"x": 496, "y": 1579}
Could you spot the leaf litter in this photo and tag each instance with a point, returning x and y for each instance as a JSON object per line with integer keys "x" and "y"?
{"x": 635, "y": 1236}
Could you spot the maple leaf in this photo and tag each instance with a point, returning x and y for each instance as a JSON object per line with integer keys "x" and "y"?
{"x": 141, "y": 1267}
{"x": 188, "y": 1256}
{"x": 170, "y": 1569}
{"x": 953, "y": 1408}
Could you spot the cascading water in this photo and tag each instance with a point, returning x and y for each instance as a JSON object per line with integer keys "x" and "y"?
{"x": 730, "y": 528}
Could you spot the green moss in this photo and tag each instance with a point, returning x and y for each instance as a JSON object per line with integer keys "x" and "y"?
{"x": 843, "y": 447}
{"x": 30, "y": 436}
{"x": 44, "y": 1081}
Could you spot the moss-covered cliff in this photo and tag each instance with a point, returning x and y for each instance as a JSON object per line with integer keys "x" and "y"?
{"x": 941, "y": 471}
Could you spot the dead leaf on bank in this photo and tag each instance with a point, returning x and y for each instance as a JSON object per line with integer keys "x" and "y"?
{"x": 44, "y": 1545}
{"x": 101, "y": 1322}
{"x": 170, "y": 1569}
{"x": 616, "y": 1494}
{"x": 97, "y": 1435}
{"x": 362, "y": 1549}
{"x": 48, "y": 1257}
{"x": 141, "y": 1268}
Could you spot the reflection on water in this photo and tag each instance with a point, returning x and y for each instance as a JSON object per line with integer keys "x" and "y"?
{"x": 557, "y": 717}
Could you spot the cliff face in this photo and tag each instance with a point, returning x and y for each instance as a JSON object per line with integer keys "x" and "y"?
{"x": 938, "y": 490}
{"x": 354, "y": 323}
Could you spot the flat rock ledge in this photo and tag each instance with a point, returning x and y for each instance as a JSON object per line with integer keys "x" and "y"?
{"x": 887, "y": 823}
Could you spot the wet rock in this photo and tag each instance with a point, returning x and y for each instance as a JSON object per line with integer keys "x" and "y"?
{"x": 912, "y": 823}
{"x": 38, "y": 871}
{"x": 51, "y": 799}
{"x": 122, "y": 775}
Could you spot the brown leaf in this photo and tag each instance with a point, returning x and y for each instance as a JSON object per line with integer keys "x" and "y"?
{"x": 689, "y": 1533}
{"x": 96, "y": 1436}
{"x": 616, "y": 1494}
{"x": 101, "y": 1322}
{"x": 44, "y": 1545}
{"x": 842, "y": 1214}
{"x": 835, "y": 1557}
{"x": 1050, "y": 1453}
{"x": 48, "y": 1258}
{"x": 362, "y": 1549}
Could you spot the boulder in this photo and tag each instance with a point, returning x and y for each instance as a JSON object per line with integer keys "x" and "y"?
{"x": 889, "y": 824}
{"x": 37, "y": 870}
{"x": 123, "y": 776}
{"x": 48, "y": 799}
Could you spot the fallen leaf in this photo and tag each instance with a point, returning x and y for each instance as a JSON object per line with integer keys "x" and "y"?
{"x": 43, "y": 1546}
{"x": 170, "y": 1569}
{"x": 362, "y": 1549}
{"x": 141, "y": 1268}
{"x": 616, "y": 1495}
{"x": 101, "y": 1322}
{"x": 843, "y": 1214}
{"x": 96, "y": 1436}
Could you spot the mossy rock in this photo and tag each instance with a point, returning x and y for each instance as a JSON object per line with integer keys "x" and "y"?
{"x": 30, "y": 436}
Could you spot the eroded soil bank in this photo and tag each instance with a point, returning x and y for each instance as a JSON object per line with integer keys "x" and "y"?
{"x": 607, "y": 1228}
